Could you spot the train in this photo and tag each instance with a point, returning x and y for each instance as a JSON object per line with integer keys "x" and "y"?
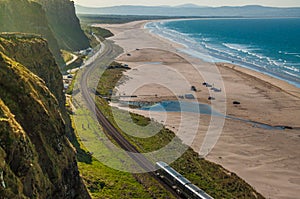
{"x": 179, "y": 183}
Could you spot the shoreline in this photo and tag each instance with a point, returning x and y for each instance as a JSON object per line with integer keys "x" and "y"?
{"x": 248, "y": 151}
{"x": 283, "y": 85}
{"x": 220, "y": 60}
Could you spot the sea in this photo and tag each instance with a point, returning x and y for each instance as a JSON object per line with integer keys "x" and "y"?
{"x": 270, "y": 46}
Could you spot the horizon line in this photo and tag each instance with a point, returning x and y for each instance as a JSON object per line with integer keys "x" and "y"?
{"x": 192, "y": 6}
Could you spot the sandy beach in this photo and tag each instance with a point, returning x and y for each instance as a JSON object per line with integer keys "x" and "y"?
{"x": 268, "y": 159}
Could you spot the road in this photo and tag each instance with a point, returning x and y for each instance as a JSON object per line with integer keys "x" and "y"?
{"x": 74, "y": 57}
{"x": 107, "y": 51}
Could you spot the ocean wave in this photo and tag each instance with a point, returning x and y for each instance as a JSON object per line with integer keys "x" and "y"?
{"x": 291, "y": 74}
{"x": 173, "y": 35}
{"x": 292, "y": 68}
{"x": 212, "y": 49}
{"x": 238, "y": 47}
{"x": 287, "y": 53}
{"x": 217, "y": 49}
{"x": 261, "y": 59}
{"x": 247, "y": 49}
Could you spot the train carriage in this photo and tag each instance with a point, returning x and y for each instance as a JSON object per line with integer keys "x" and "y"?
{"x": 182, "y": 185}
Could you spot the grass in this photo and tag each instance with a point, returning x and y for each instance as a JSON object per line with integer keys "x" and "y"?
{"x": 77, "y": 63}
{"x": 104, "y": 182}
{"x": 101, "y": 180}
{"x": 66, "y": 55}
{"x": 108, "y": 78}
{"x": 104, "y": 33}
{"x": 70, "y": 89}
{"x": 99, "y": 32}
{"x": 212, "y": 178}
{"x": 94, "y": 153}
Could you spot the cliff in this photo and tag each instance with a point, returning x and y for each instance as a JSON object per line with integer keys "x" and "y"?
{"x": 34, "y": 53}
{"x": 65, "y": 24}
{"x": 55, "y": 20}
{"x": 36, "y": 158}
{"x": 28, "y": 17}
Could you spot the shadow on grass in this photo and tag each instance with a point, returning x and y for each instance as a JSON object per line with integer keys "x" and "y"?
{"x": 82, "y": 155}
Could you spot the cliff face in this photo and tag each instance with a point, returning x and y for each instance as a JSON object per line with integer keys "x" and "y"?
{"x": 36, "y": 158}
{"x": 27, "y": 17}
{"x": 65, "y": 24}
{"x": 34, "y": 53}
{"x": 55, "y": 20}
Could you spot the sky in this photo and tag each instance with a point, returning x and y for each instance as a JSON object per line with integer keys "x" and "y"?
{"x": 106, "y": 3}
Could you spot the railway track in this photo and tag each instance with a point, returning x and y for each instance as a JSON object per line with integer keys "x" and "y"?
{"x": 109, "y": 129}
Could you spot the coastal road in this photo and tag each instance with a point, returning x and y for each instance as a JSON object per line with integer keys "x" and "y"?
{"x": 106, "y": 55}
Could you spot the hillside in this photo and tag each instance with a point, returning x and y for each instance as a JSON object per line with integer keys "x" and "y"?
{"x": 38, "y": 59}
{"x": 36, "y": 158}
{"x": 54, "y": 20}
{"x": 28, "y": 17}
{"x": 65, "y": 24}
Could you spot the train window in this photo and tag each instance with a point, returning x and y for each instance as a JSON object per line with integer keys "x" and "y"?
{"x": 183, "y": 180}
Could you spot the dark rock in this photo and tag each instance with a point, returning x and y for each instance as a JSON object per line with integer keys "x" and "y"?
{"x": 236, "y": 102}
{"x": 193, "y": 88}
{"x": 285, "y": 127}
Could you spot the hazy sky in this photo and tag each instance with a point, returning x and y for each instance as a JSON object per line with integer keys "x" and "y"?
{"x": 104, "y": 3}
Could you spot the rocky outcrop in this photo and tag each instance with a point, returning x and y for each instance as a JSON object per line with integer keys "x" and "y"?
{"x": 36, "y": 158}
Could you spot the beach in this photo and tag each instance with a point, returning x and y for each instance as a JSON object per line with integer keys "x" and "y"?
{"x": 268, "y": 159}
